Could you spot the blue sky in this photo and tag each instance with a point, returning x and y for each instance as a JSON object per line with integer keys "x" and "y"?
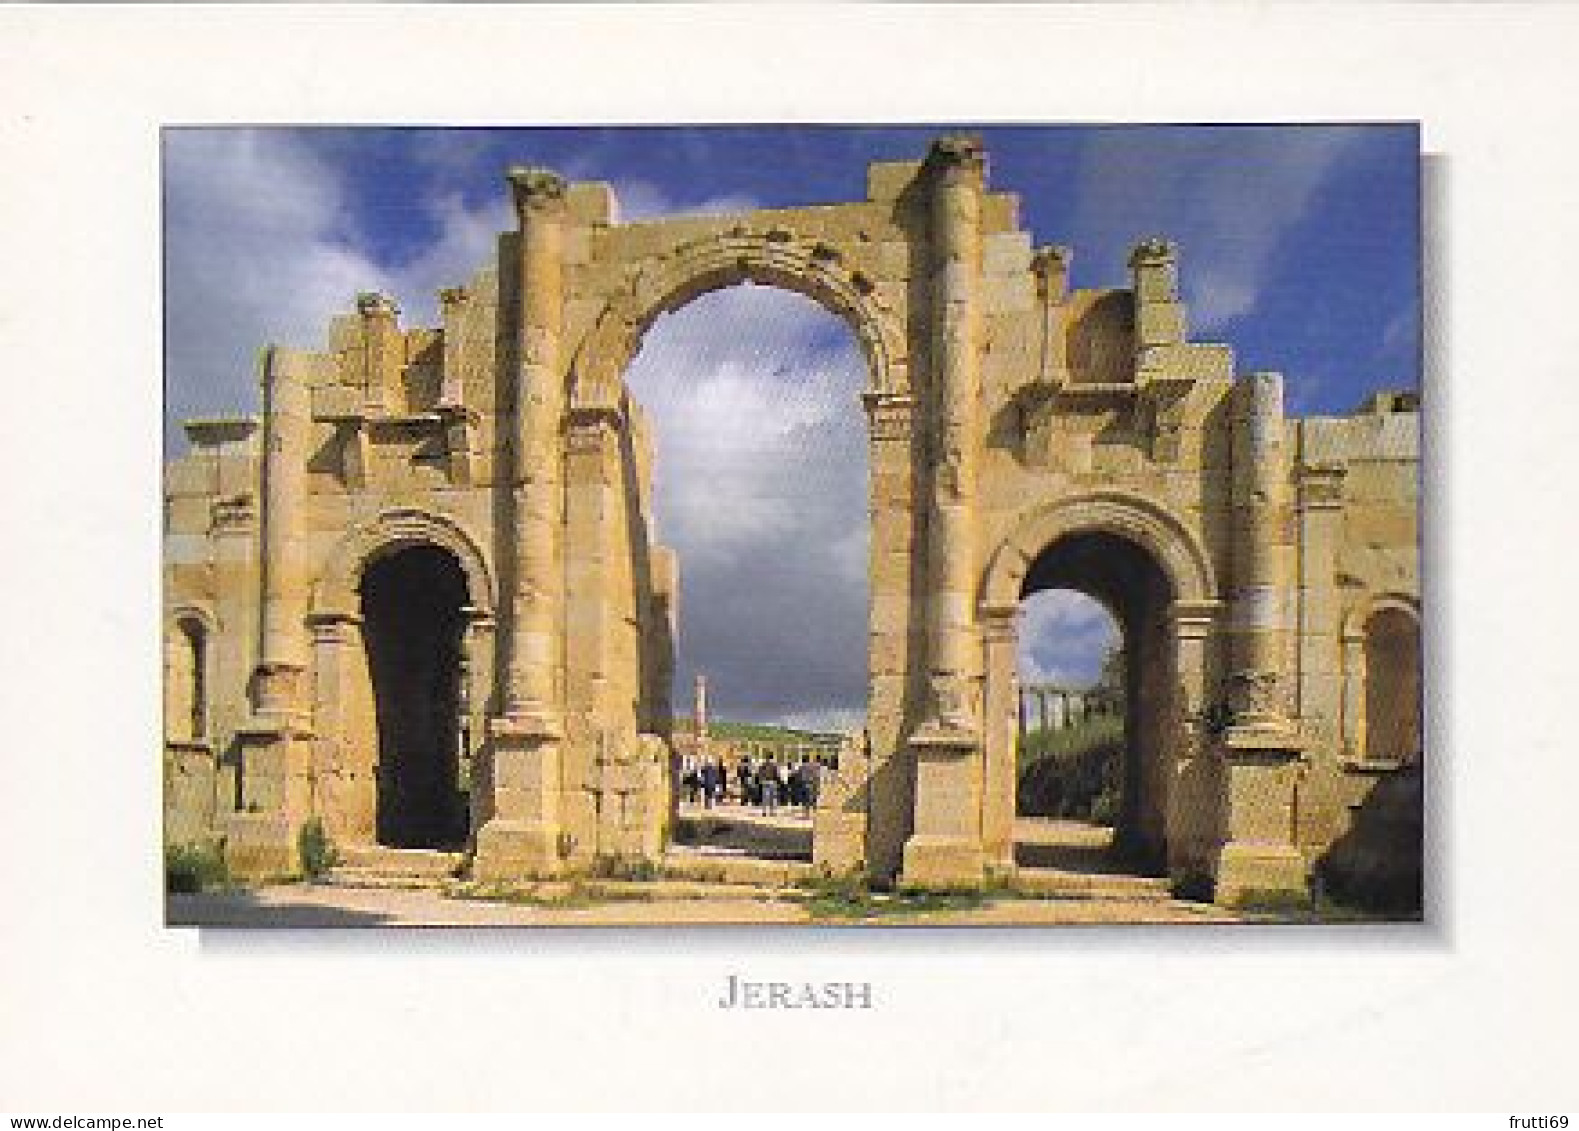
{"x": 1299, "y": 247}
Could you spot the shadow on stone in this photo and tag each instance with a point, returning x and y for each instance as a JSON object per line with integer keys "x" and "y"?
{"x": 744, "y": 834}
{"x": 243, "y": 908}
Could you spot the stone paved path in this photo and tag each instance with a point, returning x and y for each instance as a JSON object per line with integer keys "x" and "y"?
{"x": 760, "y": 854}
{"x": 305, "y": 905}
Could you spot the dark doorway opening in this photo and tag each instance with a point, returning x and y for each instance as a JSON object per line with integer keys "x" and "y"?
{"x": 412, "y": 602}
{"x": 1129, "y": 583}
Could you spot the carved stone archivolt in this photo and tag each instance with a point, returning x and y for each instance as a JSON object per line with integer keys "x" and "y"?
{"x": 774, "y": 258}
{"x": 336, "y": 590}
{"x": 1145, "y": 522}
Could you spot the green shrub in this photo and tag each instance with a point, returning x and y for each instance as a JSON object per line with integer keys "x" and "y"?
{"x": 1073, "y": 773}
{"x": 191, "y": 868}
{"x": 637, "y": 868}
{"x": 851, "y": 896}
{"x": 317, "y": 850}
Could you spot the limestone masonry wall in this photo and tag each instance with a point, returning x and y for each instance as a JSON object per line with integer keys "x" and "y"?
{"x": 1023, "y": 434}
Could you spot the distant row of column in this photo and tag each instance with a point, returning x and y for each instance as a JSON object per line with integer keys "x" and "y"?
{"x": 1058, "y": 708}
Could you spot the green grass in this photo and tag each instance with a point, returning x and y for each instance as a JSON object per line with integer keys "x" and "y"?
{"x": 317, "y": 851}
{"x": 1071, "y": 742}
{"x": 1073, "y": 773}
{"x": 759, "y": 732}
{"x": 852, "y": 898}
{"x": 571, "y": 894}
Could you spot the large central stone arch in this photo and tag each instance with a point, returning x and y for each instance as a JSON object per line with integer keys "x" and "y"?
{"x": 771, "y": 257}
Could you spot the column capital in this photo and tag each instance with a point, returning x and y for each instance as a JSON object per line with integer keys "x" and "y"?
{"x": 1154, "y": 251}
{"x": 999, "y": 623}
{"x": 889, "y": 416}
{"x": 958, "y": 157}
{"x": 375, "y": 304}
{"x": 1050, "y": 265}
{"x": 332, "y": 626}
{"x": 1194, "y": 619}
{"x": 536, "y": 190}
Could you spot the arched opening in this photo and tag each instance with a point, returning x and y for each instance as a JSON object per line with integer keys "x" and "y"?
{"x": 761, "y": 487}
{"x": 1392, "y": 688}
{"x": 196, "y": 638}
{"x": 1111, "y": 729}
{"x": 1070, "y": 713}
{"x": 187, "y": 704}
{"x": 412, "y": 623}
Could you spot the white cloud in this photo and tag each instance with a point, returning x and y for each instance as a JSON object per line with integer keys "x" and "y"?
{"x": 761, "y": 486}
{"x": 753, "y": 392}
{"x": 1243, "y": 191}
{"x": 253, "y": 256}
{"x": 262, "y": 248}
{"x": 1064, "y": 636}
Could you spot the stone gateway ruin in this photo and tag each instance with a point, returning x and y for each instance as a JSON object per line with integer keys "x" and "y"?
{"x": 420, "y": 599}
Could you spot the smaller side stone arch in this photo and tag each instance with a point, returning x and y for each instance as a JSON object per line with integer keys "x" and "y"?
{"x": 774, "y": 257}
{"x": 1362, "y": 611}
{"x": 1356, "y": 724}
{"x": 191, "y": 633}
{"x": 192, "y": 611}
{"x": 1142, "y": 521}
{"x": 335, "y": 593}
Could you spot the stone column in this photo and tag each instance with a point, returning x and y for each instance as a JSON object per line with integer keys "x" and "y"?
{"x": 1320, "y": 532}
{"x": 382, "y": 360}
{"x": 334, "y": 633}
{"x": 1262, "y": 749}
{"x": 957, "y": 172}
{"x": 521, "y": 833}
{"x": 1354, "y": 694}
{"x": 699, "y": 720}
{"x": 596, "y": 612}
{"x": 459, "y": 421}
{"x": 868, "y": 818}
{"x": 1194, "y": 814}
{"x": 1000, "y": 738}
{"x": 453, "y": 303}
{"x": 946, "y": 846}
{"x": 1159, "y": 316}
{"x": 282, "y": 651}
{"x": 477, "y": 668}
{"x": 275, "y": 754}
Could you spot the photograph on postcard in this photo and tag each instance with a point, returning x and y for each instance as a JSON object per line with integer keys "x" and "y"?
{"x": 829, "y": 525}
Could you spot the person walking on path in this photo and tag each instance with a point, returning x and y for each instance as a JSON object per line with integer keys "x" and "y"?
{"x": 810, "y": 775}
{"x": 769, "y": 776}
{"x": 709, "y": 775}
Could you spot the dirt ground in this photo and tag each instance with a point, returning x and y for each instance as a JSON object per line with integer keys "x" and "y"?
{"x": 320, "y": 906}
{"x": 1068, "y": 857}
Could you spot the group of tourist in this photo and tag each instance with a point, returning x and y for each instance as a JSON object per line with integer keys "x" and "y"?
{"x": 765, "y": 783}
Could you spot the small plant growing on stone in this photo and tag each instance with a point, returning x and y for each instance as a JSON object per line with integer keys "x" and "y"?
{"x": 624, "y": 868}
{"x": 192, "y": 868}
{"x": 317, "y": 850}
